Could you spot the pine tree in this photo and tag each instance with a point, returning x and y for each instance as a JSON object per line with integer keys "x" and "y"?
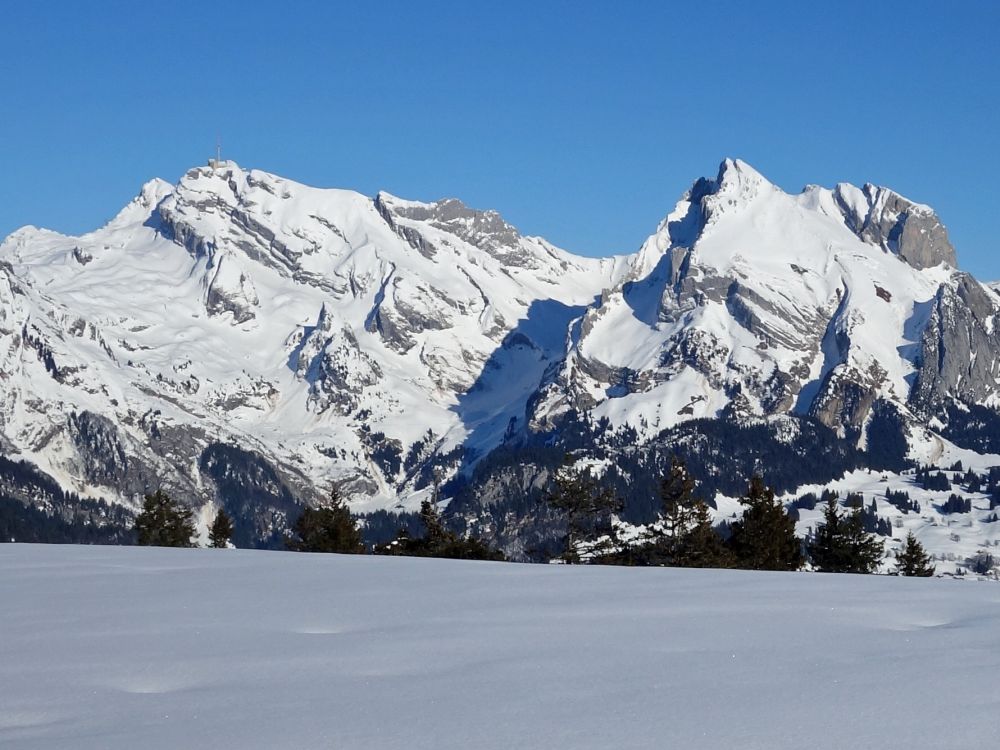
{"x": 221, "y": 532}
{"x": 164, "y": 523}
{"x": 586, "y": 505}
{"x": 430, "y": 516}
{"x": 685, "y": 536}
{"x": 327, "y": 528}
{"x": 701, "y": 546}
{"x": 913, "y": 560}
{"x": 841, "y": 544}
{"x": 438, "y": 540}
{"x": 764, "y": 538}
{"x": 677, "y": 497}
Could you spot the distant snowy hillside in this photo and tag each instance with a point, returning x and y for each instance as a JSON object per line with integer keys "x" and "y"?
{"x": 243, "y": 340}
{"x": 163, "y": 648}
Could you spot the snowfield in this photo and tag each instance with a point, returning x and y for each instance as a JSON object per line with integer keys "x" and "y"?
{"x": 104, "y": 647}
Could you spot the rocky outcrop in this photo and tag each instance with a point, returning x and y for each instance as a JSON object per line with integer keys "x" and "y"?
{"x": 231, "y": 290}
{"x": 486, "y": 230}
{"x": 886, "y": 219}
{"x": 329, "y": 359}
{"x": 960, "y": 348}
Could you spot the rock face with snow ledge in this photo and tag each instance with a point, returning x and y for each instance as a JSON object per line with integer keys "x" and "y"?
{"x": 339, "y": 337}
{"x": 752, "y": 300}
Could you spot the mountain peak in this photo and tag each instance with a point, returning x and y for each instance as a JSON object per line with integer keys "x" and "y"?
{"x": 735, "y": 171}
{"x": 738, "y": 180}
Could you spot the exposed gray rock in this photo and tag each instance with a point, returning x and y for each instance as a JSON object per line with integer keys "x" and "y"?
{"x": 959, "y": 350}
{"x": 335, "y": 367}
{"x": 846, "y": 397}
{"x": 486, "y": 230}
{"x": 231, "y": 290}
{"x": 897, "y": 225}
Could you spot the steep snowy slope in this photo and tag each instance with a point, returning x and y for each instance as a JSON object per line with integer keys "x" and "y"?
{"x": 753, "y": 301}
{"x": 317, "y": 326}
{"x": 240, "y": 338}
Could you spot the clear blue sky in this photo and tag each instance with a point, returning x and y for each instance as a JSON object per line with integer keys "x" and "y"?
{"x": 582, "y": 122}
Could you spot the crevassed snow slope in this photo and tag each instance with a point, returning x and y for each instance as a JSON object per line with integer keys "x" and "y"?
{"x": 158, "y": 648}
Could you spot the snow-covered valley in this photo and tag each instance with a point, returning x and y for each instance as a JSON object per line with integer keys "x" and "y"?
{"x": 165, "y": 648}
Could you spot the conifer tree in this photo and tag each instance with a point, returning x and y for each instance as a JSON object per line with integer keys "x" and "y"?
{"x": 685, "y": 537}
{"x": 764, "y": 538}
{"x": 701, "y": 546}
{"x": 438, "y": 540}
{"x": 677, "y": 497}
{"x": 221, "y": 532}
{"x": 585, "y": 504}
{"x": 913, "y": 560}
{"x": 430, "y": 516}
{"x": 841, "y": 544}
{"x": 327, "y": 528}
{"x": 164, "y": 523}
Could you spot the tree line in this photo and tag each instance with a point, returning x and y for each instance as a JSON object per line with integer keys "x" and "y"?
{"x": 683, "y": 536}
{"x": 763, "y": 538}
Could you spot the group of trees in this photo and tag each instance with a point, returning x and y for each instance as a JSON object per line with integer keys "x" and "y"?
{"x": 438, "y": 540}
{"x": 328, "y": 527}
{"x": 762, "y": 539}
{"x": 163, "y": 522}
{"x": 683, "y": 536}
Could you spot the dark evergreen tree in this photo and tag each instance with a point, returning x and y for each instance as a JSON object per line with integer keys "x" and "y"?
{"x": 874, "y": 523}
{"x": 972, "y": 481}
{"x": 701, "y": 546}
{"x": 678, "y": 500}
{"x": 934, "y": 482}
{"x": 586, "y": 505}
{"x": 685, "y": 536}
{"x": 764, "y": 538}
{"x": 901, "y": 500}
{"x": 841, "y": 544}
{"x": 982, "y": 563}
{"x": 912, "y": 560}
{"x": 221, "y": 532}
{"x": 956, "y": 504}
{"x": 808, "y": 501}
{"x": 164, "y": 523}
{"x": 327, "y": 528}
{"x": 437, "y": 540}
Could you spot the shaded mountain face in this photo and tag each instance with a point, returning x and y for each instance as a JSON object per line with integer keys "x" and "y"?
{"x": 376, "y": 342}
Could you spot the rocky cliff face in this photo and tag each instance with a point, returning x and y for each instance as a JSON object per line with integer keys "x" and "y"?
{"x": 885, "y": 219}
{"x": 339, "y": 337}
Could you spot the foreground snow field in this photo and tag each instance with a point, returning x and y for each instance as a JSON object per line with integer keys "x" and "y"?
{"x": 161, "y": 648}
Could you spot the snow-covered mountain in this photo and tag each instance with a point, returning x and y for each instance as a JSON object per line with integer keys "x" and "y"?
{"x": 317, "y": 327}
{"x": 238, "y": 324}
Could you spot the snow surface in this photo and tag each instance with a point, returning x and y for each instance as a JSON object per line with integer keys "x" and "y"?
{"x": 162, "y": 648}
